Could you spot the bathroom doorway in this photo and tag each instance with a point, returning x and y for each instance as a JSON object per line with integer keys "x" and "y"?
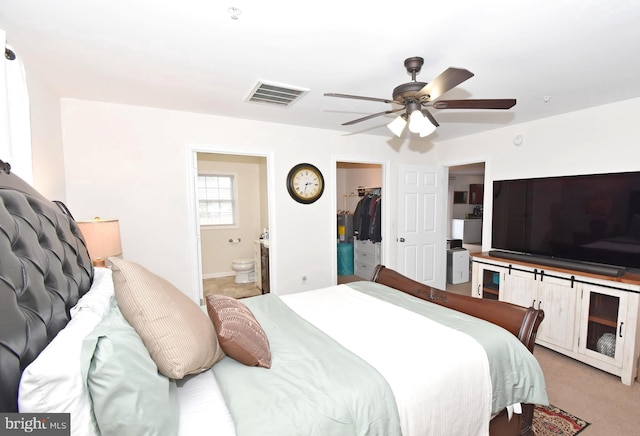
{"x": 357, "y": 232}
{"x": 238, "y": 190}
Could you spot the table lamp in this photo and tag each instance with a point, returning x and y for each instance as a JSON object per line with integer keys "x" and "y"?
{"x": 102, "y": 238}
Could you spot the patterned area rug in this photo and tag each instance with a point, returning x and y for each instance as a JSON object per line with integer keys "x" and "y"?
{"x": 552, "y": 421}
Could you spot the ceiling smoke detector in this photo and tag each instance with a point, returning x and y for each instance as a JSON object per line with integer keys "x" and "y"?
{"x": 234, "y": 12}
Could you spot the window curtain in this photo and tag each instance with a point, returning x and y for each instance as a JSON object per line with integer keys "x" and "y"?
{"x": 15, "y": 128}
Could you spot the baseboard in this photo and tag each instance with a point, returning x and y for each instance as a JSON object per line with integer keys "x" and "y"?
{"x": 218, "y": 275}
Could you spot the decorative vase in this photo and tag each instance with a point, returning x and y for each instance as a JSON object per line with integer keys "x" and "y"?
{"x": 607, "y": 344}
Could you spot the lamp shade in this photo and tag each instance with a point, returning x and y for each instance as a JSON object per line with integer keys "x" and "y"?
{"x": 427, "y": 128}
{"x": 397, "y": 125}
{"x": 416, "y": 121}
{"x": 102, "y": 238}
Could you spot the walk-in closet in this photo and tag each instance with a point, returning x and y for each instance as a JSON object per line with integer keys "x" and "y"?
{"x": 359, "y": 220}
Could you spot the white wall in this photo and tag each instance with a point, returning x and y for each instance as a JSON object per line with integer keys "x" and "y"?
{"x": 597, "y": 140}
{"x": 131, "y": 163}
{"x": 46, "y": 139}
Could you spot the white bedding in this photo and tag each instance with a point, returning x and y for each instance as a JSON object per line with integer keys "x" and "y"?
{"x": 452, "y": 366}
{"x": 444, "y": 364}
{"x": 202, "y": 408}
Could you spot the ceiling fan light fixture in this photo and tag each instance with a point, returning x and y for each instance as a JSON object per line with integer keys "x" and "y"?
{"x": 417, "y": 122}
{"x": 397, "y": 125}
{"x": 412, "y": 96}
{"x": 427, "y": 129}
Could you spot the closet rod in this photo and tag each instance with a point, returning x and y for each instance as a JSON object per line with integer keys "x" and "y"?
{"x": 362, "y": 191}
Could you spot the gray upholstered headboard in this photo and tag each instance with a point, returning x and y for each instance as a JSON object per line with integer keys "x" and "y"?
{"x": 44, "y": 270}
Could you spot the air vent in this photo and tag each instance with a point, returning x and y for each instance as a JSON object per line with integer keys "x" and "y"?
{"x": 276, "y": 94}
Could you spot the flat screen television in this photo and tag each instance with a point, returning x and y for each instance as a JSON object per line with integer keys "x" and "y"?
{"x": 592, "y": 219}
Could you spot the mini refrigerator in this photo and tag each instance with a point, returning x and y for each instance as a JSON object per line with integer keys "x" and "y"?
{"x": 457, "y": 266}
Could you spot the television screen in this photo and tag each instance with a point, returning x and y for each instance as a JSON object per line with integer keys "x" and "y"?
{"x": 588, "y": 218}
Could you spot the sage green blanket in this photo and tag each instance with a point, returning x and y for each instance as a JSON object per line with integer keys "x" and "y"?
{"x": 314, "y": 386}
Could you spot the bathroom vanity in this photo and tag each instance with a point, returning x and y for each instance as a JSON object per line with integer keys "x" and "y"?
{"x": 261, "y": 260}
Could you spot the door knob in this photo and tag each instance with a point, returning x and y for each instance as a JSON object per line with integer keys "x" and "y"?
{"x": 401, "y": 239}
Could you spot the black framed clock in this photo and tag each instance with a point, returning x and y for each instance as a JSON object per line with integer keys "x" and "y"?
{"x": 305, "y": 183}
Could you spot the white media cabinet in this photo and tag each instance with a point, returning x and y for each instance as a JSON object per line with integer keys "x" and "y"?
{"x": 582, "y": 310}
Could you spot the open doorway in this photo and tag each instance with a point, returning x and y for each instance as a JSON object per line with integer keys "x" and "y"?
{"x": 359, "y": 219}
{"x": 464, "y": 222}
{"x": 231, "y": 198}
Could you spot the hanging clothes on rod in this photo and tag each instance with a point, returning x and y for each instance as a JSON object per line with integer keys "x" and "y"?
{"x": 367, "y": 218}
{"x": 375, "y": 233}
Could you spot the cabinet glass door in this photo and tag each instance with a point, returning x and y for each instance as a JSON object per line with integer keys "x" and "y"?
{"x": 490, "y": 284}
{"x": 603, "y": 326}
{"x": 486, "y": 281}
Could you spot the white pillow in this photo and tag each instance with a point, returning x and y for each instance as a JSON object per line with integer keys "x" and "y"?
{"x": 99, "y": 296}
{"x": 53, "y": 382}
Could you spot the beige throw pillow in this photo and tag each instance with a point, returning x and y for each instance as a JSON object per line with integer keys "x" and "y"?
{"x": 240, "y": 335}
{"x": 177, "y": 333}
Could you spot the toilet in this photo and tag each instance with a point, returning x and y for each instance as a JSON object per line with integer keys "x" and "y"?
{"x": 244, "y": 269}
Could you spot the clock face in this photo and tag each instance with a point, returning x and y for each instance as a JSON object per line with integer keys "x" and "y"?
{"x": 305, "y": 183}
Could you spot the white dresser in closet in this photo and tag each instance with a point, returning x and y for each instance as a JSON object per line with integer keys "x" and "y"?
{"x": 366, "y": 255}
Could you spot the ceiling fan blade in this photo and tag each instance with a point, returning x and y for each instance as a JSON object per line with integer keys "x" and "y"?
{"x": 498, "y": 103}
{"x": 430, "y": 117}
{"x": 357, "y": 97}
{"x": 448, "y": 79}
{"x": 368, "y": 117}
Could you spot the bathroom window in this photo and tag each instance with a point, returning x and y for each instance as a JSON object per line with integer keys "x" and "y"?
{"x": 216, "y": 199}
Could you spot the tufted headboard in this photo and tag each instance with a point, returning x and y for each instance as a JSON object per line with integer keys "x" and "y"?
{"x": 44, "y": 270}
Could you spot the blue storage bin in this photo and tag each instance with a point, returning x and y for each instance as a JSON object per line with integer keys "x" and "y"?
{"x": 345, "y": 258}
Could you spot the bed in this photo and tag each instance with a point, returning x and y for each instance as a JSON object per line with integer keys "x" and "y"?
{"x": 123, "y": 352}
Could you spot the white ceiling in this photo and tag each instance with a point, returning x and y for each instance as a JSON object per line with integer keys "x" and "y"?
{"x": 191, "y": 55}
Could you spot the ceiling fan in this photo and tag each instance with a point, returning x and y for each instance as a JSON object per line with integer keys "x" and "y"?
{"x": 415, "y": 97}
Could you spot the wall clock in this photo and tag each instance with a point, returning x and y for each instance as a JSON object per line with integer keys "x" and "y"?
{"x": 305, "y": 183}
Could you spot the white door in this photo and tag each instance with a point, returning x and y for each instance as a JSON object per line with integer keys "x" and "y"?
{"x": 422, "y": 214}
